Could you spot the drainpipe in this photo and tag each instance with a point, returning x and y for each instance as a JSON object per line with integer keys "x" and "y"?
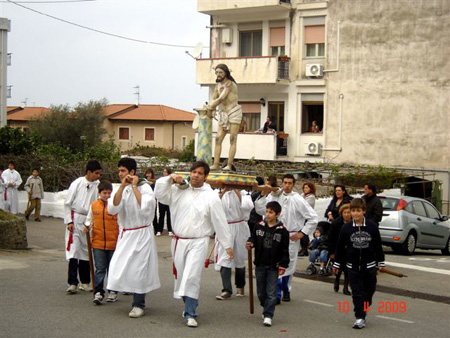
{"x": 339, "y": 148}
{"x": 338, "y": 50}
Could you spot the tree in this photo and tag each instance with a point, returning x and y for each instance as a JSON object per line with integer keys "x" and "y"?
{"x": 15, "y": 141}
{"x": 78, "y": 128}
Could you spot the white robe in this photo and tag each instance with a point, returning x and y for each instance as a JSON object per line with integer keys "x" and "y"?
{"x": 11, "y": 194}
{"x": 2, "y": 194}
{"x": 196, "y": 214}
{"x": 79, "y": 198}
{"x": 134, "y": 265}
{"x": 237, "y": 213}
{"x": 296, "y": 215}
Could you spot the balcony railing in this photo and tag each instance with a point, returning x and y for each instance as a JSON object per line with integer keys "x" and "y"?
{"x": 246, "y": 70}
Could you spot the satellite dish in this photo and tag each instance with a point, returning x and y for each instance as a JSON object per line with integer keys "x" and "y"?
{"x": 197, "y": 52}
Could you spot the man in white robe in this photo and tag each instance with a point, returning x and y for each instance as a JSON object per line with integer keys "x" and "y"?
{"x": 237, "y": 206}
{"x": 12, "y": 180}
{"x": 82, "y": 192}
{"x": 134, "y": 265}
{"x": 298, "y": 217}
{"x": 196, "y": 213}
{"x": 2, "y": 190}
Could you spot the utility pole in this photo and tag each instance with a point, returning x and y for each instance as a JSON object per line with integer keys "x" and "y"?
{"x": 137, "y": 93}
{"x": 5, "y": 27}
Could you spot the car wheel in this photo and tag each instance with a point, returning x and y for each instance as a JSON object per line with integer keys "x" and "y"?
{"x": 446, "y": 250}
{"x": 410, "y": 244}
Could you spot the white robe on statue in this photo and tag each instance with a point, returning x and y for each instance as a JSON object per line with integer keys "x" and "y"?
{"x": 11, "y": 194}
{"x": 134, "y": 265}
{"x": 296, "y": 215}
{"x": 196, "y": 214}
{"x": 237, "y": 213}
{"x": 79, "y": 198}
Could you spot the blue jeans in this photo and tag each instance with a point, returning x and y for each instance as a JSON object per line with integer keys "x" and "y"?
{"x": 266, "y": 287}
{"x": 138, "y": 300}
{"x": 190, "y": 305}
{"x": 101, "y": 259}
{"x": 317, "y": 253}
{"x": 283, "y": 285}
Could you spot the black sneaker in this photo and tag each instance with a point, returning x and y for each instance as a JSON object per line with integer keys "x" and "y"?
{"x": 286, "y": 297}
{"x": 278, "y": 301}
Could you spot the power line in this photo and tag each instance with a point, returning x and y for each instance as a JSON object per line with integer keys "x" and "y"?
{"x": 48, "y": 2}
{"x": 99, "y": 31}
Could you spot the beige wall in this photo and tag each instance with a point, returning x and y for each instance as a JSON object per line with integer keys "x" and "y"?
{"x": 163, "y": 133}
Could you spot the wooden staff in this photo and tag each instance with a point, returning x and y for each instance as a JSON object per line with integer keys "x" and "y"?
{"x": 250, "y": 281}
{"x": 393, "y": 273}
{"x": 91, "y": 261}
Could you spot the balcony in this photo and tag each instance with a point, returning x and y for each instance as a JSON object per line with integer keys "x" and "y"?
{"x": 230, "y": 7}
{"x": 246, "y": 70}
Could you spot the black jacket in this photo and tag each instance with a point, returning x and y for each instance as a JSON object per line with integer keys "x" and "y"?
{"x": 333, "y": 236}
{"x": 254, "y": 216}
{"x": 279, "y": 246}
{"x": 335, "y": 208}
{"x": 374, "y": 208}
{"x": 359, "y": 246}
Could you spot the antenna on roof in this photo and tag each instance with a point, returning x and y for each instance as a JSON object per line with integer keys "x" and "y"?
{"x": 138, "y": 94}
{"x": 197, "y": 52}
{"x": 25, "y": 102}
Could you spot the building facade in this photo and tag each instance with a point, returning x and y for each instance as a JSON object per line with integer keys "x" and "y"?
{"x": 374, "y": 76}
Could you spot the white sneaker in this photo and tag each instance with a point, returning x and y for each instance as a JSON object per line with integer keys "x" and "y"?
{"x": 98, "y": 298}
{"x": 85, "y": 287}
{"x": 170, "y": 233}
{"x": 72, "y": 289}
{"x": 158, "y": 234}
{"x": 267, "y": 321}
{"x": 191, "y": 322}
{"x": 112, "y": 297}
{"x": 359, "y": 323}
{"x": 136, "y": 312}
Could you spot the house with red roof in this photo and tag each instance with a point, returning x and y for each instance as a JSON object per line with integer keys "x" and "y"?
{"x": 129, "y": 124}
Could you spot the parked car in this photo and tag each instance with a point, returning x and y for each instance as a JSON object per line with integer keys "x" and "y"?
{"x": 409, "y": 223}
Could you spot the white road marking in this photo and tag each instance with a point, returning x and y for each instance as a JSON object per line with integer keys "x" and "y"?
{"x": 398, "y": 320}
{"x": 419, "y": 268}
{"x": 318, "y": 303}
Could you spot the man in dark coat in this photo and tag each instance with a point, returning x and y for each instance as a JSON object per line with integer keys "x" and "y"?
{"x": 374, "y": 210}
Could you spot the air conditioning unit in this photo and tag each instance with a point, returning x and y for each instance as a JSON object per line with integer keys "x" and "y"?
{"x": 313, "y": 148}
{"x": 314, "y": 70}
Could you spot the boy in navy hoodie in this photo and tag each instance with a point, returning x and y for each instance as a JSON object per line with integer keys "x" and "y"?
{"x": 271, "y": 242}
{"x": 359, "y": 246}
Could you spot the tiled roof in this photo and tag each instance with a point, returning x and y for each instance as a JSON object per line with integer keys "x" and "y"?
{"x": 24, "y": 113}
{"x": 147, "y": 112}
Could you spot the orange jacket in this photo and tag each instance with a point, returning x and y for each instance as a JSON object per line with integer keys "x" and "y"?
{"x": 105, "y": 229}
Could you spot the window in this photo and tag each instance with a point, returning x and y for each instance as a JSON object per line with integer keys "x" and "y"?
{"x": 251, "y": 113}
{"x": 250, "y": 43}
{"x": 312, "y": 112}
{"x": 183, "y": 142}
{"x": 315, "y": 41}
{"x": 419, "y": 209}
{"x": 276, "y": 114}
{"x": 431, "y": 211}
{"x": 124, "y": 133}
{"x": 149, "y": 134}
{"x": 277, "y": 41}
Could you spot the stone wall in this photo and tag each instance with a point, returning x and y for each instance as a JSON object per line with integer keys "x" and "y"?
{"x": 13, "y": 234}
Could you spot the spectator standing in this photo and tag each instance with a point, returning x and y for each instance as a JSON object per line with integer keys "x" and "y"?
{"x": 35, "y": 188}
{"x": 374, "y": 208}
{"x": 309, "y": 194}
{"x": 340, "y": 197}
{"x": 150, "y": 176}
{"x": 164, "y": 210}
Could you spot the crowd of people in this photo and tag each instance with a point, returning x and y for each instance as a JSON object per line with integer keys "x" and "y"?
{"x": 276, "y": 222}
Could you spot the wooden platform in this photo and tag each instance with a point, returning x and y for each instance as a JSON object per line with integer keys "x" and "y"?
{"x": 231, "y": 180}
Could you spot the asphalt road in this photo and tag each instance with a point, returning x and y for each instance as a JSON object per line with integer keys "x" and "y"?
{"x": 33, "y": 302}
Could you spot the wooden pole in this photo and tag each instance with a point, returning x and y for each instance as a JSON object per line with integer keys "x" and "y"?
{"x": 393, "y": 273}
{"x": 250, "y": 281}
{"x": 91, "y": 261}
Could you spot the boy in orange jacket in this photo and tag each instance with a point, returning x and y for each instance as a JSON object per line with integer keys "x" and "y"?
{"x": 105, "y": 232}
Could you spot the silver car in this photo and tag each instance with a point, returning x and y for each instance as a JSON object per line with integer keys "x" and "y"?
{"x": 409, "y": 223}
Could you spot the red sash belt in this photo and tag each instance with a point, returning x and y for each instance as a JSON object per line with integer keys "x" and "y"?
{"x": 70, "y": 241}
{"x": 6, "y": 194}
{"x": 174, "y": 269}
{"x": 236, "y": 222}
{"x": 130, "y": 229}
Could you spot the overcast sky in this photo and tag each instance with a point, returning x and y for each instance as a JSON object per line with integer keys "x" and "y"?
{"x": 57, "y": 63}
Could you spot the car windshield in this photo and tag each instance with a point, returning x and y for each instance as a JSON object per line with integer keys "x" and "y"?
{"x": 389, "y": 203}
